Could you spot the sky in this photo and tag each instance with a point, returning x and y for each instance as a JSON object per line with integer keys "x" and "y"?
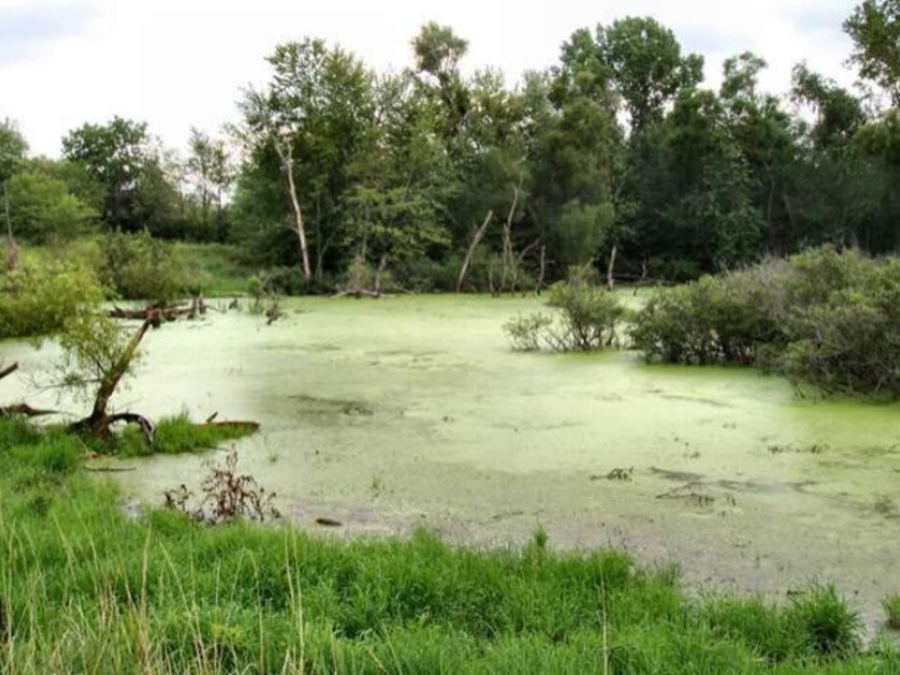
{"x": 182, "y": 63}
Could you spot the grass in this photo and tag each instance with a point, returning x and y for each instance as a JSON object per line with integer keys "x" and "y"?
{"x": 86, "y": 588}
{"x": 178, "y": 435}
{"x": 213, "y": 268}
{"x": 891, "y": 606}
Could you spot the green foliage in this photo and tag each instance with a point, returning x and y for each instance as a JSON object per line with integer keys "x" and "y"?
{"x": 891, "y": 605}
{"x": 588, "y": 313}
{"x": 824, "y": 623}
{"x": 81, "y": 576}
{"x": 587, "y": 316}
{"x": 139, "y": 267}
{"x": 874, "y": 28}
{"x": 178, "y": 435}
{"x": 43, "y": 210}
{"x": 122, "y": 157}
{"x": 92, "y": 347}
{"x": 526, "y": 333}
{"x": 826, "y": 318}
{"x": 37, "y": 301}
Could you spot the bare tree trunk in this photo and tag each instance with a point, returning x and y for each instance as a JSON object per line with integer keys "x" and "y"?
{"x": 12, "y": 248}
{"x": 509, "y": 259}
{"x": 382, "y": 265}
{"x": 611, "y": 271}
{"x": 476, "y": 240}
{"x": 543, "y": 271}
{"x": 288, "y": 162}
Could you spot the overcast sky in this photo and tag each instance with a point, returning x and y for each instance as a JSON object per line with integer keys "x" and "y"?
{"x": 182, "y": 63}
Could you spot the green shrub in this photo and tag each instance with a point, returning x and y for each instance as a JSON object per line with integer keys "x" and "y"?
{"x": 527, "y": 332}
{"x": 588, "y": 313}
{"x": 139, "y": 267}
{"x": 38, "y": 301}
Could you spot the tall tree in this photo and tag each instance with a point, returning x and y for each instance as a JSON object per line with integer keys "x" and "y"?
{"x": 874, "y": 28}
{"x": 12, "y": 153}
{"x": 312, "y": 114}
{"x": 647, "y": 67}
{"x": 125, "y": 160}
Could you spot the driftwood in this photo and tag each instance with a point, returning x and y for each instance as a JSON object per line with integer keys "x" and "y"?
{"x": 476, "y": 240}
{"x": 197, "y": 308}
{"x": 21, "y": 409}
{"x": 24, "y": 410}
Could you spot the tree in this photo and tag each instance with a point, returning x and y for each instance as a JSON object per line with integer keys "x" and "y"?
{"x": 210, "y": 172}
{"x": 646, "y": 66}
{"x": 874, "y": 28}
{"x": 43, "y": 209}
{"x": 122, "y": 157}
{"x": 12, "y": 152}
{"x": 312, "y": 114}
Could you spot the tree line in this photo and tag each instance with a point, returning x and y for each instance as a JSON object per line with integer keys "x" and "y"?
{"x": 435, "y": 180}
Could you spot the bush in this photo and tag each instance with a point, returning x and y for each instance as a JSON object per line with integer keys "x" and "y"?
{"x": 713, "y": 320}
{"x": 827, "y": 318}
{"x": 38, "y": 301}
{"x": 587, "y": 318}
{"x": 139, "y": 267}
{"x": 527, "y": 332}
{"x": 588, "y": 314}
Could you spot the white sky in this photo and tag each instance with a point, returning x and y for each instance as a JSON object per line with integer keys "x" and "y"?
{"x": 182, "y": 63}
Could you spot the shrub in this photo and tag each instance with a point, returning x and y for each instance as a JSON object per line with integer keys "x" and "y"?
{"x": 586, "y": 319}
{"x": 38, "y": 301}
{"x": 139, "y": 267}
{"x": 588, "y": 314}
{"x": 527, "y": 332}
{"x": 831, "y": 319}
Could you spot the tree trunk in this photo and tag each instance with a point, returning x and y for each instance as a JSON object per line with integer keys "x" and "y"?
{"x": 382, "y": 265}
{"x": 543, "y": 271}
{"x": 476, "y": 240}
{"x": 288, "y": 162}
{"x": 509, "y": 259}
{"x": 99, "y": 422}
{"x": 611, "y": 271}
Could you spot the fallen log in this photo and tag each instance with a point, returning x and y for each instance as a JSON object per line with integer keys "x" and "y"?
{"x": 24, "y": 410}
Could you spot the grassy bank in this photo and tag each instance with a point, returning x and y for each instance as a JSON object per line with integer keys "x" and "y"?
{"x": 213, "y": 268}
{"x": 89, "y": 588}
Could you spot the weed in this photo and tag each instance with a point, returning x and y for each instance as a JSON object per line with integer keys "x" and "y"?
{"x": 891, "y": 606}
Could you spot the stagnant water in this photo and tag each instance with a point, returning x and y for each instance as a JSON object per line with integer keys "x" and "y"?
{"x": 387, "y": 415}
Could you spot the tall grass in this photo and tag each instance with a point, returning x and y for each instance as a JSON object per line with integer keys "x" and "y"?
{"x": 87, "y": 589}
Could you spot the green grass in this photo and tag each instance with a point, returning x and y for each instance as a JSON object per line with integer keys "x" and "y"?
{"x": 214, "y": 268}
{"x": 178, "y": 435}
{"x": 891, "y": 606}
{"x": 88, "y": 589}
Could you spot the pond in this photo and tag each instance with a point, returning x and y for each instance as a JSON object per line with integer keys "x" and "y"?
{"x": 393, "y": 414}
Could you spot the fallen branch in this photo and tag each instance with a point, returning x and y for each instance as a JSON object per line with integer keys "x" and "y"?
{"x": 105, "y": 469}
{"x": 23, "y": 410}
{"x": 6, "y": 372}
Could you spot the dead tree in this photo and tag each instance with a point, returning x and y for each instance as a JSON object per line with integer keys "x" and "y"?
{"x": 476, "y": 240}
{"x": 510, "y": 268}
{"x": 611, "y": 271}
